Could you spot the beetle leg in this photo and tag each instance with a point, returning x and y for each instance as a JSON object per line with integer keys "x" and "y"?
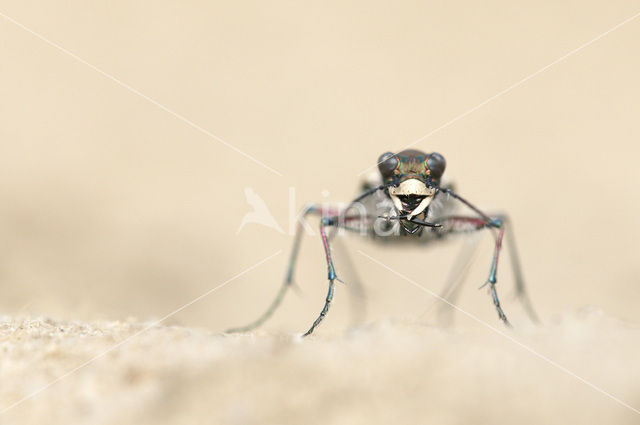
{"x": 331, "y": 272}
{"x": 357, "y": 292}
{"x": 491, "y": 281}
{"x": 337, "y": 218}
{"x": 456, "y": 278}
{"x": 521, "y": 291}
{"x": 456, "y": 224}
{"x": 288, "y": 281}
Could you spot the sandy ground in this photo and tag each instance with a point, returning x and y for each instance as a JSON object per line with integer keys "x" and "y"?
{"x": 381, "y": 373}
{"x": 115, "y": 212}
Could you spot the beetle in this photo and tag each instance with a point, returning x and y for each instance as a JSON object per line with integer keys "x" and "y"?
{"x": 405, "y": 201}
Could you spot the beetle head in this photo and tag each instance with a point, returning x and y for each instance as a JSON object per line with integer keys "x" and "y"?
{"x": 412, "y": 176}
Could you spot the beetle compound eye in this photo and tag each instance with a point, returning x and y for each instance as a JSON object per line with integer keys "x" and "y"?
{"x": 387, "y": 163}
{"x": 436, "y": 164}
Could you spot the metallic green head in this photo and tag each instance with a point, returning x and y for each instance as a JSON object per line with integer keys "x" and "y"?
{"x": 413, "y": 175}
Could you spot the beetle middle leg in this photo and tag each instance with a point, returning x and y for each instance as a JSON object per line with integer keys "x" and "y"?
{"x": 357, "y": 293}
{"x": 521, "y": 291}
{"x": 456, "y": 278}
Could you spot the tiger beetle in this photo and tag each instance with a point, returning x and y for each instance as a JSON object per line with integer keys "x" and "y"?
{"x": 404, "y": 202}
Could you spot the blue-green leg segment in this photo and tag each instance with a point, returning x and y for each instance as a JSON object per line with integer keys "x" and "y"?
{"x": 332, "y": 218}
{"x": 457, "y": 224}
{"x": 288, "y": 281}
{"x": 331, "y": 272}
{"x": 335, "y": 220}
{"x": 491, "y": 281}
{"x": 499, "y": 222}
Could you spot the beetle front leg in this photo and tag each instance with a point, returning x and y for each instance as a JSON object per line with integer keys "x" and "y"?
{"x": 491, "y": 281}
{"x": 309, "y": 209}
{"x": 457, "y": 224}
{"x": 331, "y": 272}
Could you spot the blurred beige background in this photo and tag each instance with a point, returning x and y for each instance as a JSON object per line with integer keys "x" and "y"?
{"x": 110, "y": 207}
